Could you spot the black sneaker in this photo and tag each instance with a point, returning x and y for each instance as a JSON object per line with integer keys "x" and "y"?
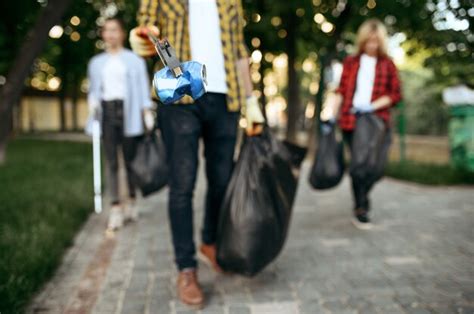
{"x": 361, "y": 220}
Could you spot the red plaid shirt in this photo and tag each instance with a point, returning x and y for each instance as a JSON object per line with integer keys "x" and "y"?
{"x": 386, "y": 83}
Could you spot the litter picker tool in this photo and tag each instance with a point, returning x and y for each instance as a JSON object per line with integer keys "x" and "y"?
{"x": 167, "y": 55}
{"x": 176, "y": 79}
{"x": 97, "y": 166}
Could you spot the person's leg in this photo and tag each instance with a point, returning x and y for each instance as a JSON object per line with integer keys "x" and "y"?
{"x": 360, "y": 191}
{"x": 347, "y": 138}
{"x": 361, "y": 219}
{"x": 383, "y": 158}
{"x": 129, "y": 147}
{"x": 356, "y": 183}
{"x": 111, "y": 135}
{"x": 181, "y": 130}
{"x": 375, "y": 174}
{"x": 219, "y": 135}
{"x": 110, "y": 141}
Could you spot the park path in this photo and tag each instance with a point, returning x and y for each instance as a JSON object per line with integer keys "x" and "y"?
{"x": 418, "y": 259}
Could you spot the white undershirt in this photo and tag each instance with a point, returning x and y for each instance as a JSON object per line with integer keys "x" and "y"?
{"x": 114, "y": 79}
{"x": 206, "y": 44}
{"x": 365, "y": 82}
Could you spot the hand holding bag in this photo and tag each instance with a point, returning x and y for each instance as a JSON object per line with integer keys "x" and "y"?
{"x": 256, "y": 211}
{"x": 149, "y": 167}
{"x": 328, "y": 167}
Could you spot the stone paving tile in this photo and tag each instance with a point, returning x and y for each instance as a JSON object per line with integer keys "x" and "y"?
{"x": 274, "y": 308}
{"x": 418, "y": 259}
{"x": 311, "y": 306}
{"x": 239, "y": 309}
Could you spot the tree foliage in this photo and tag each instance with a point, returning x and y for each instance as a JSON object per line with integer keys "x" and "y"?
{"x": 445, "y": 27}
{"x": 301, "y": 28}
{"x": 429, "y": 22}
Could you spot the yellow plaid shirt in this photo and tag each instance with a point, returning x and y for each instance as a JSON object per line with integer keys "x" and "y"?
{"x": 171, "y": 18}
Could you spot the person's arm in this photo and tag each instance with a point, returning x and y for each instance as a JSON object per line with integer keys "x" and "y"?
{"x": 147, "y": 24}
{"x": 146, "y": 15}
{"x": 242, "y": 50}
{"x": 252, "y": 111}
{"x": 243, "y": 62}
{"x": 93, "y": 94}
{"x": 243, "y": 66}
{"x": 394, "y": 95}
{"x": 333, "y": 103}
{"x": 146, "y": 102}
{"x": 331, "y": 107}
{"x": 382, "y": 102}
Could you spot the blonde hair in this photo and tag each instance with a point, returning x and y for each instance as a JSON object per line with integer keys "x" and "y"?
{"x": 369, "y": 27}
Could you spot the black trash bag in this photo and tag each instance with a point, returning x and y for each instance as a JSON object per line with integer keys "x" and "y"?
{"x": 370, "y": 143}
{"x": 149, "y": 167}
{"x": 256, "y": 210}
{"x": 328, "y": 167}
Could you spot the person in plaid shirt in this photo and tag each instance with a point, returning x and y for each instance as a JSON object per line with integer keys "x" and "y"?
{"x": 369, "y": 84}
{"x": 209, "y": 32}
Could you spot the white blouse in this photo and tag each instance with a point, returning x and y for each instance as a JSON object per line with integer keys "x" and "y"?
{"x": 114, "y": 78}
{"x": 206, "y": 43}
{"x": 365, "y": 82}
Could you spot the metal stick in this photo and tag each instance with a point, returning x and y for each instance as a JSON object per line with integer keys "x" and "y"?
{"x": 97, "y": 166}
{"x": 167, "y": 54}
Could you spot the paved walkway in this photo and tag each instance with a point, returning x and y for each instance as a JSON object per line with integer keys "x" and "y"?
{"x": 419, "y": 259}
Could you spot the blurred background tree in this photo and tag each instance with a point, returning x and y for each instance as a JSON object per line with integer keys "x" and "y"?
{"x": 437, "y": 34}
{"x": 293, "y": 44}
{"x": 18, "y": 67}
{"x": 45, "y": 46}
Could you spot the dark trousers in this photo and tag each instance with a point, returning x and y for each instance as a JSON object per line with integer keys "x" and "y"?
{"x": 182, "y": 126}
{"x": 113, "y": 139}
{"x": 362, "y": 186}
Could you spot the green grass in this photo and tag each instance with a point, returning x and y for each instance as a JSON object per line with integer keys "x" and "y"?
{"x": 45, "y": 196}
{"x": 431, "y": 174}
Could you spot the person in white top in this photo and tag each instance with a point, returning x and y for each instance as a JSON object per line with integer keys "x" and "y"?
{"x": 369, "y": 86}
{"x": 119, "y": 96}
{"x": 210, "y": 32}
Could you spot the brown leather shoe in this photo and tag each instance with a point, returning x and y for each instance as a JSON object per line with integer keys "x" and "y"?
{"x": 207, "y": 253}
{"x": 189, "y": 291}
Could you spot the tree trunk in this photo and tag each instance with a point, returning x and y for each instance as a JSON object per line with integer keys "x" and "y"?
{"x": 293, "y": 108}
{"x": 62, "y": 102}
{"x": 30, "y": 49}
{"x": 323, "y": 65}
{"x": 64, "y": 73}
{"x": 261, "y": 88}
{"x": 74, "y": 97}
{"x": 263, "y": 64}
{"x": 314, "y": 129}
{"x": 3, "y": 151}
{"x": 62, "y": 110}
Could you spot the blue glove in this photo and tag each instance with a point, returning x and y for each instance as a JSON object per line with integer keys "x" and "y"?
{"x": 171, "y": 89}
{"x": 327, "y": 126}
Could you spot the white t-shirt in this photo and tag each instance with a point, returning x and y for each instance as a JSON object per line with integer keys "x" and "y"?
{"x": 206, "y": 44}
{"x": 365, "y": 82}
{"x": 114, "y": 78}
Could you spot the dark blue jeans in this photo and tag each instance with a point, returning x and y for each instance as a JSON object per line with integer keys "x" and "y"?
{"x": 182, "y": 127}
{"x": 113, "y": 140}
